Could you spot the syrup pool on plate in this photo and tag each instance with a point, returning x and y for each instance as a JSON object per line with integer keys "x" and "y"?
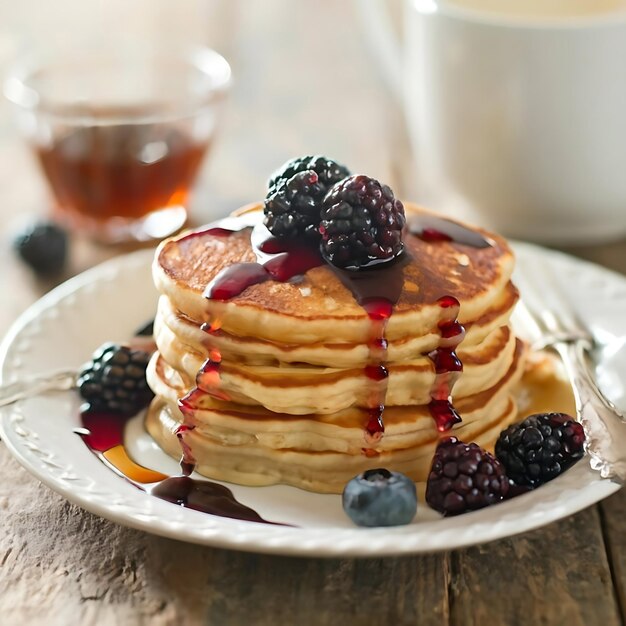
{"x": 103, "y": 434}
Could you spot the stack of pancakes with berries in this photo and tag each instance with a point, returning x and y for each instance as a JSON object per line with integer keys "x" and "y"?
{"x": 330, "y": 330}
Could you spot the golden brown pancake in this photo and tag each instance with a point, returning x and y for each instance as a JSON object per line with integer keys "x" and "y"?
{"x": 251, "y": 445}
{"x": 319, "y": 307}
{"x": 286, "y": 395}
{"x": 259, "y": 351}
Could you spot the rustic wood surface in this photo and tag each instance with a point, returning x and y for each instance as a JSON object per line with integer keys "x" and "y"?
{"x": 61, "y": 565}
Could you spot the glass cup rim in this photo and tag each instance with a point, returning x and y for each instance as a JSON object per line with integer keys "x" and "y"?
{"x": 18, "y": 90}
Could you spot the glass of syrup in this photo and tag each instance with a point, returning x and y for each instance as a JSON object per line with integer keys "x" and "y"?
{"x": 120, "y": 133}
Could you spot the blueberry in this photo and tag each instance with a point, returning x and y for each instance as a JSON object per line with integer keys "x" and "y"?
{"x": 379, "y": 497}
{"x": 43, "y": 246}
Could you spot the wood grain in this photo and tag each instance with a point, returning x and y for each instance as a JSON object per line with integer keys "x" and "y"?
{"x": 556, "y": 575}
{"x": 613, "y": 518}
{"x": 61, "y": 565}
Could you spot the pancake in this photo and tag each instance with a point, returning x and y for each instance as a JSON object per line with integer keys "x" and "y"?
{"x": 297, "y": 381}
{"x": 318, "y": 452}
{"x": 257, "y": 351}
{"x": 407, "y": 420}
{"x": 302, "y": 389}
{"x": 319, "y": 308}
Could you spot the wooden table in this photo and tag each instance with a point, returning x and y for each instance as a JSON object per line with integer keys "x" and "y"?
{"x": 61, "y": 565}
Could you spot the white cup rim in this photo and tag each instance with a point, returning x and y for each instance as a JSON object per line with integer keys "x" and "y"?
{"x": 581, "y": 22}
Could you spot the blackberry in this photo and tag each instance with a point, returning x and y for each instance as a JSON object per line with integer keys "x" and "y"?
{"x": 464, "y": 477}
{"x": 293, "y": 208}
{"x": 43, "y": 246}
{"x": 540, "y": 448}
{"x": 114, "y": 381}
{"x": 361, "y": 223}
{"x": 328, "y": 171}
{"x": 295, "y": 195}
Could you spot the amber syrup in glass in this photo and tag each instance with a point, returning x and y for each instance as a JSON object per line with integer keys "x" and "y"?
{"x": 98, "y": 173}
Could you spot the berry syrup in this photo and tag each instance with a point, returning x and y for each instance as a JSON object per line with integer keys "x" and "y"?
{"x": 279, "y": 260}
{"x": 431, "y": 228}
{"x": 103, "y": 434}
{"x": 224, "y": 227}
{"x": 204, "y": 496}
{"x": 208, "y": 382}
{"x": 187, "y": 461}
{"x": 377, "y": 290}
{"x": 379, "y": 311}
{"x": 448, "y": 366}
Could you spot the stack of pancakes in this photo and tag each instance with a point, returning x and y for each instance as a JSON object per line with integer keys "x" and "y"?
{"x": 287, "y": 399}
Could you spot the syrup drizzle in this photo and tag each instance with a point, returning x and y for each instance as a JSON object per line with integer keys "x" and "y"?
{"x": 278, "y": 259}
{"x": 448, "y": 366}
{"x": 379, "y": 311}
{"x": 224, "y": 227}
{"x": 187, "y": 461}
{"x": 377, "y": 290}
{"x": 204, "y": 496}
{"x": 431, "y": 228}
{"x": 104, "y": 436}
{"x": 233, "y": 280}
{"x": 208, "y": 381}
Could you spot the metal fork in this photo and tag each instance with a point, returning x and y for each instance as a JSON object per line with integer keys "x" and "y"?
{"x": 61, "y": 380}
{"x": 551, "y": 322}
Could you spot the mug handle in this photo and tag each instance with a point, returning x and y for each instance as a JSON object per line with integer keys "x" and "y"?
{"x": 379, "y": 31}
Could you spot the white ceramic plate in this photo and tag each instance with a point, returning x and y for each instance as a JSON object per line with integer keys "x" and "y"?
{"x": 110, "y": 301}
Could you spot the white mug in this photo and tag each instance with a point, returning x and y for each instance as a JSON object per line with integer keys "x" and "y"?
{"x": 516, "y": 111}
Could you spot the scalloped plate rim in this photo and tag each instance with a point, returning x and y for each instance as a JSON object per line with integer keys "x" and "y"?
{"x": 318, "y": 542}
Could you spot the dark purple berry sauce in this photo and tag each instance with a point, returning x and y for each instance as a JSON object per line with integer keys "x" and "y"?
{"x": 103, "y": 433}
{"x": 447, "y": 365}
{"x": 431, "y": 228}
